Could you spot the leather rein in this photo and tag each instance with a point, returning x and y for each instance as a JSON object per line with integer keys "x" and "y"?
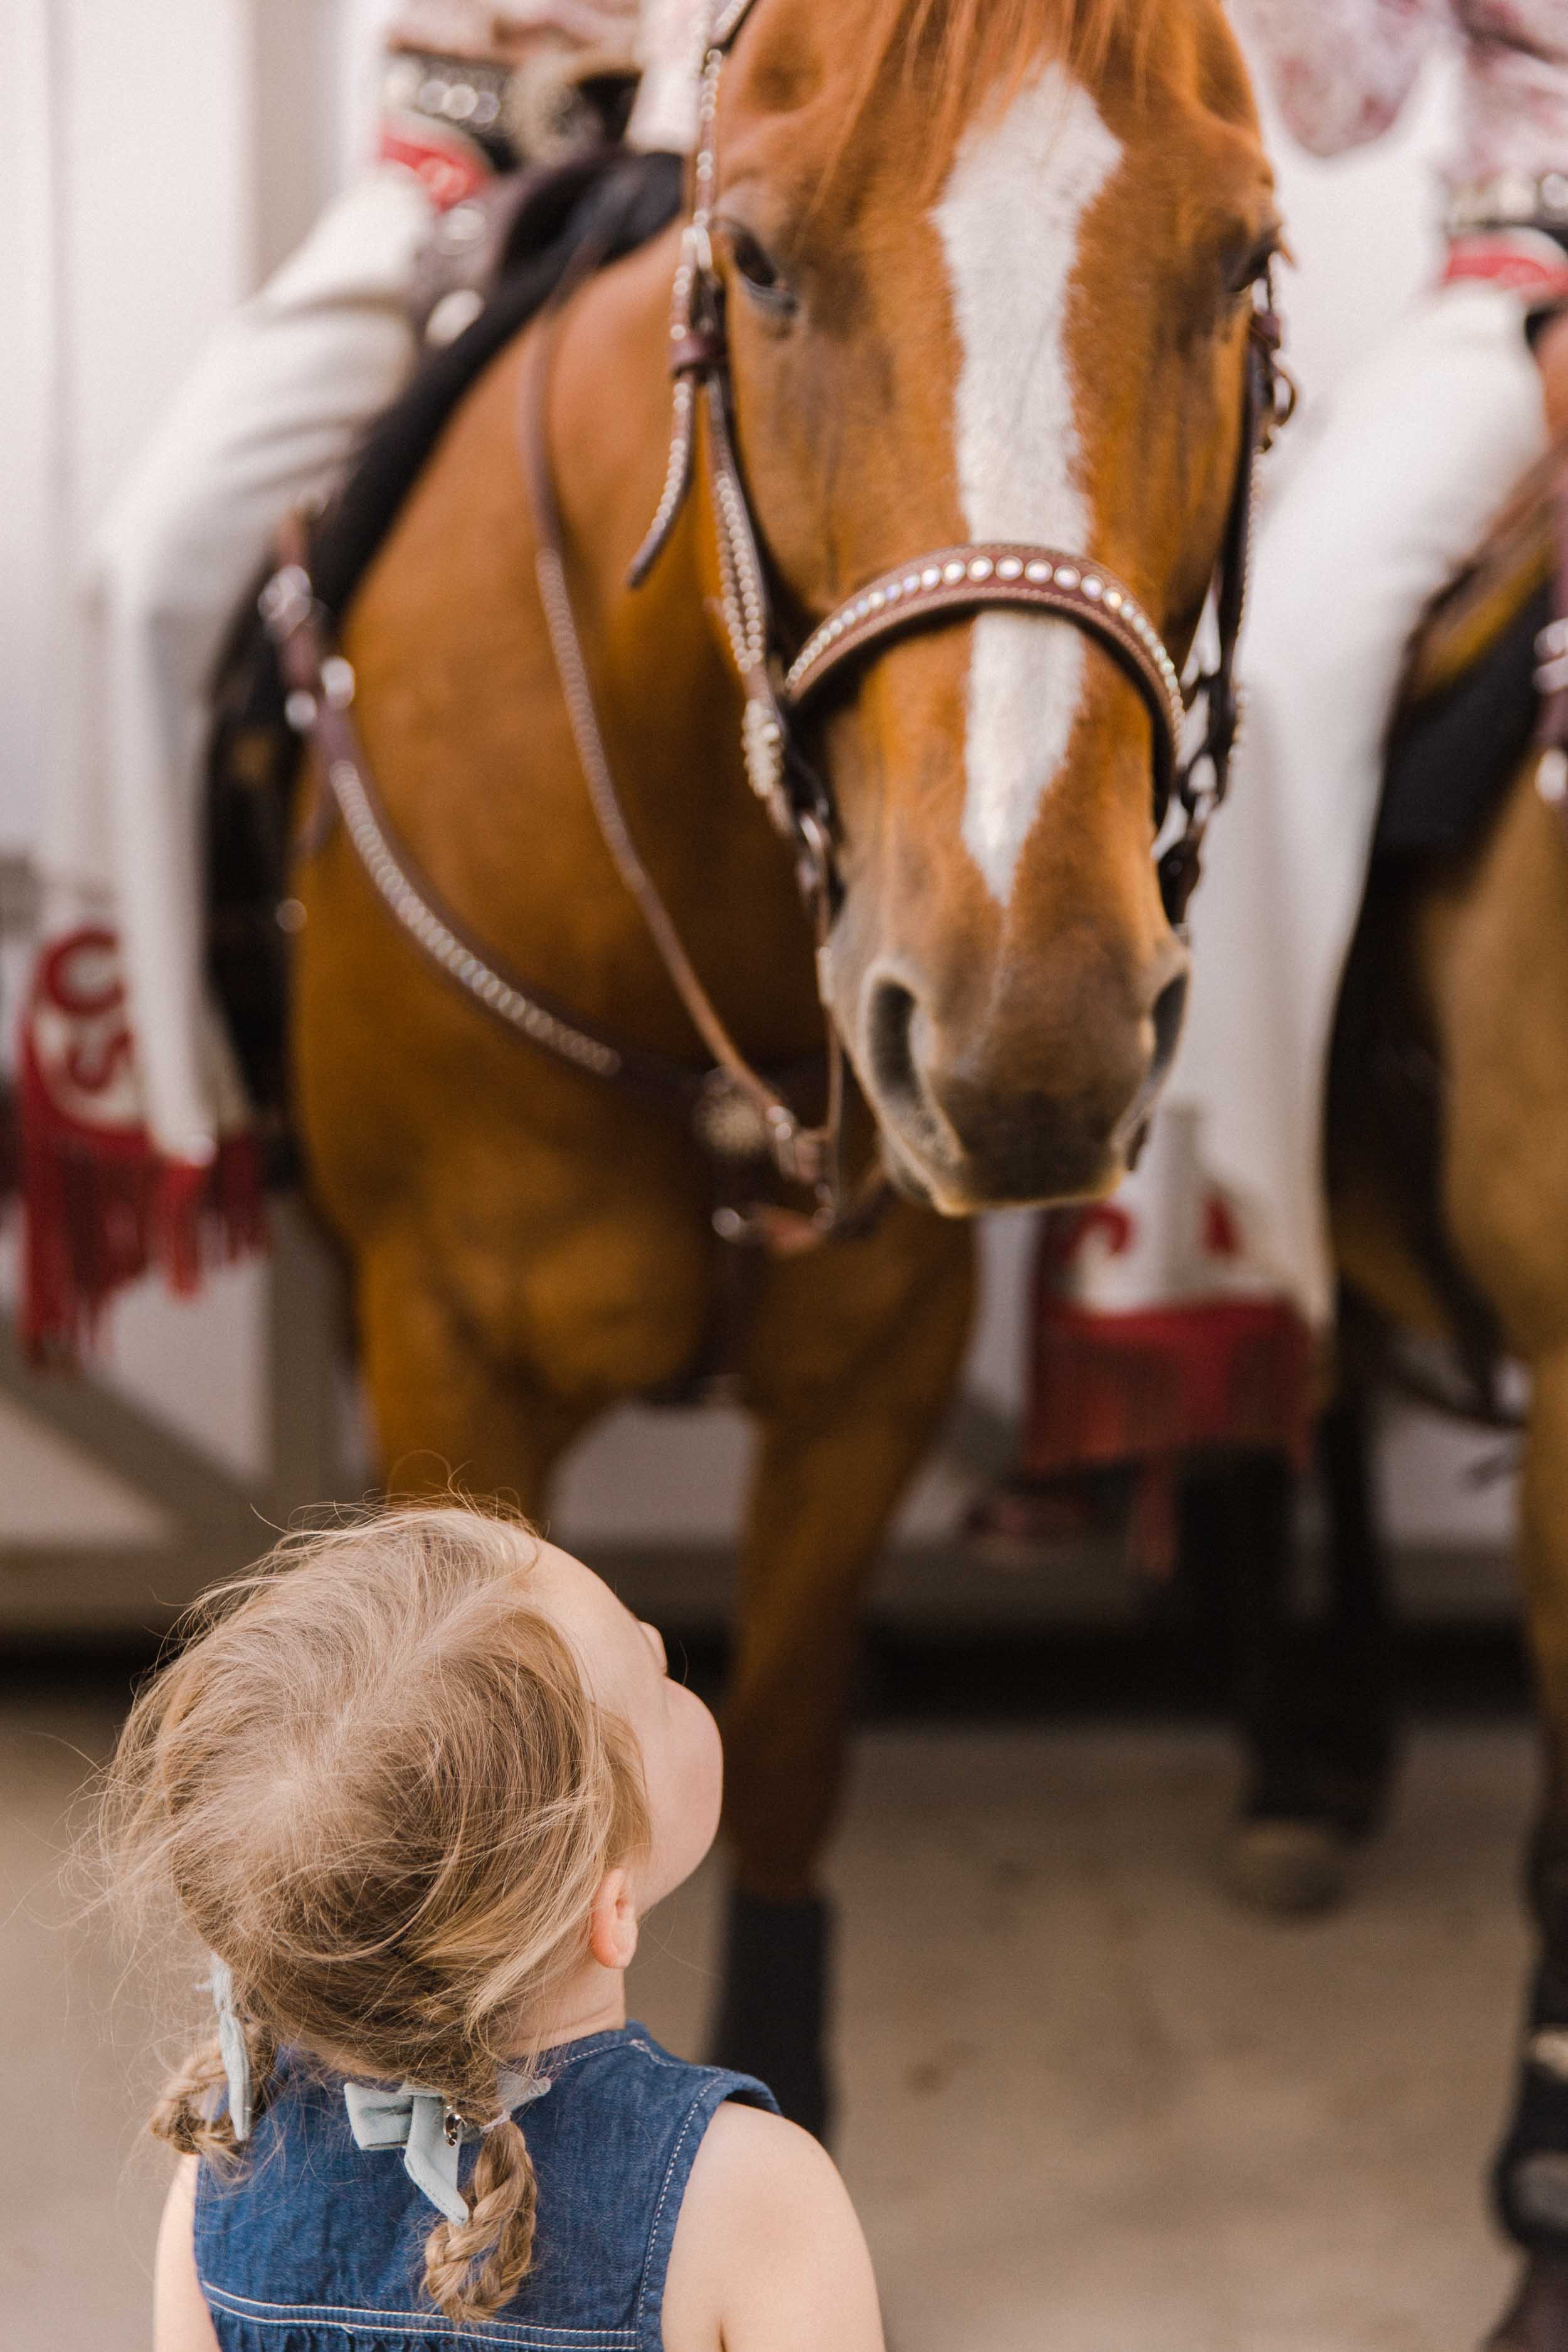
{"x": 740, "y": 1114}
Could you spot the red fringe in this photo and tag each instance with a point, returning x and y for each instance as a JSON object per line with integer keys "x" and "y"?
{"x": 1146, "y": 1390}
{"x": 101, "y": 1208}
{"x": 1232, "y": 1372}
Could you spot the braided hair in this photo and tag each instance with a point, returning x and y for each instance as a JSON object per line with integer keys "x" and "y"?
{"x": 373, "y": 1784}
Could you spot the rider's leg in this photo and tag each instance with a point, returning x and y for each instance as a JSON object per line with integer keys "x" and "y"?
{"x": 268, "y": 420}
{"x": 1420, "y": 452}
{"x": 1387, "y": 504}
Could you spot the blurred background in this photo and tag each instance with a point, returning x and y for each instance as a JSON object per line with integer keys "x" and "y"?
{"x": 1045, "y": 1776}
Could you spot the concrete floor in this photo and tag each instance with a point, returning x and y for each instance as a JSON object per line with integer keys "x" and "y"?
{"x": 1086, "y": 2105}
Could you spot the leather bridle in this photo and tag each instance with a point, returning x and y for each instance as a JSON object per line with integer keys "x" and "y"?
{"x": 970, "y": 577}
{"x": 740, "y": 1114}
{"x": 782, "y": 693}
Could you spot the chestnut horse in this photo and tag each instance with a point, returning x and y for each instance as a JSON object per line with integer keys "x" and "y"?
{"x": 1455, "y": 1018}
{"x": 987, "y": 270}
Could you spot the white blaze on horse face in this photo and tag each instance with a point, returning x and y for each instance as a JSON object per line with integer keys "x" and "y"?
{"x": 1010, "y": 221}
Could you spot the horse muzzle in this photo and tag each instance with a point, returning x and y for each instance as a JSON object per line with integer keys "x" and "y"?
{"x": 994, "y": 1117}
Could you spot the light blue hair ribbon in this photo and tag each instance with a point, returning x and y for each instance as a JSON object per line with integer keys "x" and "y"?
{"x": 233, "y": 2049}
{"x": 429, "y": 2131}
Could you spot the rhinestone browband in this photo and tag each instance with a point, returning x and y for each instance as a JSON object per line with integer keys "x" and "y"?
{"x": 960, "y": 579}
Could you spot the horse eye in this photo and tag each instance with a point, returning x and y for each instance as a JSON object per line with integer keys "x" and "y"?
{"x": 1255, "y": 262}
{"x": 757, "y": 269}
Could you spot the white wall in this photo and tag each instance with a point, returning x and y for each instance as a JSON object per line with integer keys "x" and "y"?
{"x": 159, "y": 155}
{"x": 139, "y": 204}
{"x": 30, "y": 394}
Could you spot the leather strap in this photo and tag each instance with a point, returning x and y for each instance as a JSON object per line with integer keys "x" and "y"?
{"x": 955, "y": 579}
{"x": 800, "y": 1152}
{"x": 321, "y": 692}
{"x": 719, "y": 1110}
{"x": 1551, "y": 678}
{"x": 1552, "y": 644}
{"x": 1268, "y": 406}
{"x": 728, "y": 22}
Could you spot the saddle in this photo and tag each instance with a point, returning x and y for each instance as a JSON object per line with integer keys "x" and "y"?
{"x": 539, "y": 227}
{"x": 1468, "y": 707}
{"x": 1468, "y": 710}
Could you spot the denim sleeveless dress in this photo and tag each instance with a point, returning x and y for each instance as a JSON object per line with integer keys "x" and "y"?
{"x": 316, "y": 2244}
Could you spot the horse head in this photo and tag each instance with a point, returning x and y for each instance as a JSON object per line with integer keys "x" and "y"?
{"x": 987, "y": 270}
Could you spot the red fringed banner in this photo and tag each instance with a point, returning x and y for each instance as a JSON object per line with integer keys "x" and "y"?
{"x": 101, "y": 1206}
{"x": 1148, "y": 1348}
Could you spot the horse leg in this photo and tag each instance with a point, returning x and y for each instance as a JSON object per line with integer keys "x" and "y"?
{"x": 1357, "y": 1673}
{"x": 1314, "y": 1704}
{"x": 447, "y": 1414}
{"x": 1360, "y": 1663}
{"x": 1285, "y": 1854}
{"x": 1490, "y": 949}
{"x": 845, "y": 1421}
{"x": 1531, "y": 2176}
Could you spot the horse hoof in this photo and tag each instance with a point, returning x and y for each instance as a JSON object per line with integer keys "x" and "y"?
{"x": 1289, "y": 1869}
{"x": 774, "y": 2013}
{"x": 1537, "y": 2319}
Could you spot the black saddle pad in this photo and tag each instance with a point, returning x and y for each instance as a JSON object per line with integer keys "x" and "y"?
{"x": 1450, "y": 762}
{"x": 615, "y": 200}
{"x": 611, "y": 202}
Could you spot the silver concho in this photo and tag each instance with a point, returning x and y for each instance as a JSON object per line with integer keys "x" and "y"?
{"x": 728, "y": 1121}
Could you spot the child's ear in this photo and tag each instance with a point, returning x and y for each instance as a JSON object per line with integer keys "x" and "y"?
{"x": 613, "y": 1922}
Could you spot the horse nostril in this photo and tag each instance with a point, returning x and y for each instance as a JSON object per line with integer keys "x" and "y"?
{"x": 1170, "y": 1006}
{"x": 890, "y": 1044}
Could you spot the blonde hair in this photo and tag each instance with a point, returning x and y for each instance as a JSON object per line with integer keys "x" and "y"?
{"x": 374, "y": 1785}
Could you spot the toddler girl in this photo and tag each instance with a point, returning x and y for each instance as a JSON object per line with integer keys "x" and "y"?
{"x": 413, "y": 1786}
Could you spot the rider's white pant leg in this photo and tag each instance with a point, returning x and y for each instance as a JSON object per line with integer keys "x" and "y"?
{"x": 1422, "y": 449}
{"x": 268, "y": 420}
